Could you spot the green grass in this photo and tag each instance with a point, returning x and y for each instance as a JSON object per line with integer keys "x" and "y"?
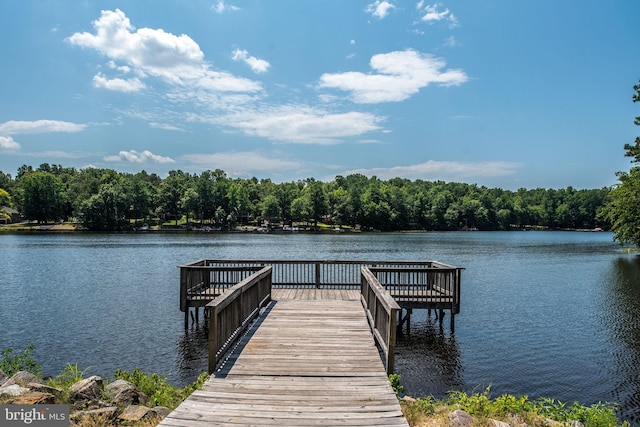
{"x": 428, "y": 411}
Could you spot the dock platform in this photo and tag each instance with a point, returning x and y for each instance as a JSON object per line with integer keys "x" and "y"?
{"x": 305, "y": 342}
{"x": 310, "y": 359}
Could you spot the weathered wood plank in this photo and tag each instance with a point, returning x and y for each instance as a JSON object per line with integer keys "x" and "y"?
{"x": 309, "y": 362}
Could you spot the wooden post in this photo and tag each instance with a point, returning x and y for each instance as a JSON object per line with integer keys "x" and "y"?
{"x": 391, "y": 340}
{"x": 317, "y": 275}
{"x": 453, "y": 323}
{"x": 213, "y": 339}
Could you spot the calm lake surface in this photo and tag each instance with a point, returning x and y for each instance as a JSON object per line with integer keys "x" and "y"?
{"x": 553, "y": 314}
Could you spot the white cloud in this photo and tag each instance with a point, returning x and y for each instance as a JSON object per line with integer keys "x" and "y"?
{"x": 302, "y": 124}
{"x": 240, "y": 163}
{"x": 256, "y": 64}
{"x": 451, "y": 42}
{"x": 438, "y": 170}
{"x": 165, "y": 126}
{"x": 39, "y": 126}
{"x": 123, "y": 68}
{"x": 177, "y": 60}
{"x": 7, "y": 143}
{"x": 221, "y": 7}
{"x": 432, "y": 13}
{"x": 399, "y": 75}
{"x": 379, "y": 9}
{"x": 205, "y": 95}
{"x": 135, "y": 157}
{"x": 117, "y": 84}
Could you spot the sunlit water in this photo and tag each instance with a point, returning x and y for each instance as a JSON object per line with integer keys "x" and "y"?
{"x": 553, "y": 314}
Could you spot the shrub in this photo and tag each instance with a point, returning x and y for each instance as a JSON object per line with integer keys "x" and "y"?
{"x": 160, "y": 392}
{"x": 11, "y": 363}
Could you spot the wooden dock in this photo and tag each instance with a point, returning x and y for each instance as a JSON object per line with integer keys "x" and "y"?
{"x": 306, "y": 343}
{"x": 309, "y": 359}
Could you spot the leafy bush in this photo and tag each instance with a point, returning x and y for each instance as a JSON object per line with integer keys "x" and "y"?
{"x": 394, "y": 380}
{"x": 597, "y": 415}
{"x": 160, "y": 392}
{"x": 481, "y": 405}
{"x": 11, "y": 363}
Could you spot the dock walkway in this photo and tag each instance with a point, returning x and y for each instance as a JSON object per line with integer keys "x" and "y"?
{"x": 309, "y": 360}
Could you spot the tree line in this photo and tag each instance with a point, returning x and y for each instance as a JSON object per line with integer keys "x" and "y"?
{"x": 104, "y": 199}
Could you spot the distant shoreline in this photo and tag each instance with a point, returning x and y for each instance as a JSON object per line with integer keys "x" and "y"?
{"x": 24, "y": 228}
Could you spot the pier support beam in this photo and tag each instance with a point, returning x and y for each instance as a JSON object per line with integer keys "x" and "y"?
{"x": 406, "y": 319}
{"x": 452, "y": 323}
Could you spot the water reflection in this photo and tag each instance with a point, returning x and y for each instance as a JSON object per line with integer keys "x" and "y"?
{"x": 620, "y": 317}
{"x": 192, "y": 353}
{"x": 428, "y": 357}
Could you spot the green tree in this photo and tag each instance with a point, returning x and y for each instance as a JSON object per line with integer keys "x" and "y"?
{"x": 340, "y": 206}
{"x": 239, "y": 196}
{"x": 5, "y": 201}
{"x": 623, "y": 209}
{"x": 285, "y": 194}
{"x": 314, "y": 201}
{"x": 42, "y": 196}
{"x": 171, "y": 192}
{"x": 270, "y": 208}
{"x": 107, "y": 210}
{"x": 190, "y": 202}
{"x": 6, "y": 182}
{"x": 5, "y": 198}
{"x": 142, "y": 194}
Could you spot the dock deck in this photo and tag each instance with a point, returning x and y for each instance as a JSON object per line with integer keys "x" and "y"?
{"x": 309, "y": 360}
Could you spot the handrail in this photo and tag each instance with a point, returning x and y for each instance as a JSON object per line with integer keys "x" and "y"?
{"x": 232, "y": 312}
{"x": 437, "y": 283}
{"x": 198, "y": 278}
{"x": 325, "y": 274}
{"x": 382, "y": 313}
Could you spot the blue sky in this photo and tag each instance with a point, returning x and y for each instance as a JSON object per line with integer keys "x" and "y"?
{"x": 500, "y": 93}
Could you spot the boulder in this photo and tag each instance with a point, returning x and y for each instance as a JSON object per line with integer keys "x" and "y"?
{"x": 22, "y": 378}
{"x": 125, "y": 393}
{"x": 576, "y": 423}
{"x": 134, "y": 413}
{"x": 34, "y": 398}
{"x": 3, "y": 378}
{"x": 460, "y": 418}
{"x": 87, "y": 389}
{"x": 44, "y": 389}
{"x": 13, "y": 390}
{"x": 408, "y": 399}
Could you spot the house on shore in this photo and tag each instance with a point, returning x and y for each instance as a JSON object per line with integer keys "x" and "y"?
{"x": 9, "y": 215}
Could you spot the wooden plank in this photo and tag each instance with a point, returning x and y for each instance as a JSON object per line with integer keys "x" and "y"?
{"x": 312, "y": 361}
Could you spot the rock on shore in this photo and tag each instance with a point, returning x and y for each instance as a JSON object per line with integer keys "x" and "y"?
{"x": 117, "y": 401}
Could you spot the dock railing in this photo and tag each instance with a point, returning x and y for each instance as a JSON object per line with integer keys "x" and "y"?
{"x": 439, "y": 285}
{"x": 232, "y": 312}
{"x": 200, "y": 282}
{"x": 322, "y": 274}
{"x": 382, "y": 313}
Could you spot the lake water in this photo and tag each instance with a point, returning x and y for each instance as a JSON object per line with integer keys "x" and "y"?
{"x": 554, "y": 314}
